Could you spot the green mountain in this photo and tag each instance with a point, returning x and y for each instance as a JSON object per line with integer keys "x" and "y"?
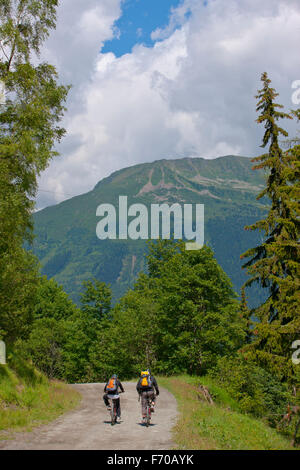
{"x": 66, "y": 241}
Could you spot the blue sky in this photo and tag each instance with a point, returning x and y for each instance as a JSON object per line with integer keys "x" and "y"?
{"x": 139, "y": 18}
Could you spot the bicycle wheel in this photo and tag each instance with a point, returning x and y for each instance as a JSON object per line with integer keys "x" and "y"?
{"x": 112, "y": 416}
{"x": 113, "y": 413}
{"x": 148, "y": 416}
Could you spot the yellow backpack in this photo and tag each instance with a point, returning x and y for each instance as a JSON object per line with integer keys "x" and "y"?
{"x": 146, "y": 379}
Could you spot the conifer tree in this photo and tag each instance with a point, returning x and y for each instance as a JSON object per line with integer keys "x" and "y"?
{"x": 275, "y": 263}
{"x": 245, "y": 313}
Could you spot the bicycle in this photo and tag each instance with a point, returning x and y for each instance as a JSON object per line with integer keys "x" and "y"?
{"x": 113, "y": 409}
{"x": 148, "y": 411}
{"x": 147, "y": 418}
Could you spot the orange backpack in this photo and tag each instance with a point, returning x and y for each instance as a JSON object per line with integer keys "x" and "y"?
{"x": 112, "y": 385}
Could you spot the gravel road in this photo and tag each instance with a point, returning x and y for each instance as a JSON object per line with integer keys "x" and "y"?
{"x": 88, "y": 426}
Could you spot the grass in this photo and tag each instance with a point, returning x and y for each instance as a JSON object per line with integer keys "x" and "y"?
{"x": 29, "y": 399}
{"x": 220, "y": 426}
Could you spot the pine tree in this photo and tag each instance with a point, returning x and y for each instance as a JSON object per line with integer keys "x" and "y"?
{"x": 275, "y": 263}
{"x": 245, "y": 313}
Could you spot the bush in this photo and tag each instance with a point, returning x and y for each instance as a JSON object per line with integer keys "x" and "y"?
{"x": 44, "y": 346}
{"x": 256, "y": 390}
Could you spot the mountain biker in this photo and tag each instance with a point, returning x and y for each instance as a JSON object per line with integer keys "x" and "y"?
{"x": 145, "y": 388}
{"x": 111, "y": 390}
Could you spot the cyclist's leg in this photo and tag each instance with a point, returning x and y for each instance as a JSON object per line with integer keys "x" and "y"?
{"x": 114, "y": 402}
{"x": 118, "y": 407}
{"x": 144, "y": 404}
{"x": 113, "y": 411}
{"x": 106, "y": 400}
{"x": 152, "y": 400}
{"x": 149, "y": 396}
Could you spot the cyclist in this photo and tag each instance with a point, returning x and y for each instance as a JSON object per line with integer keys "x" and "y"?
{"x": 111, "y": 390}
{"x": 145, "y": 388}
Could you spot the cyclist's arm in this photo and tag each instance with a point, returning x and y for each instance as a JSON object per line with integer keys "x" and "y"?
{"x": 121, "y": 387}
{"x": 155, "y": 386}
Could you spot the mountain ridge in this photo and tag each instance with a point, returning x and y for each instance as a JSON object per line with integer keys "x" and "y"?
{"x": 69, "y": 250}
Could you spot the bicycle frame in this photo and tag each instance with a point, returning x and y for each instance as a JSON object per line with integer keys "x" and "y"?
{"x": 148, "y": 411}
{"x": 146, "y": 419}
{"x": 113, "y": 411}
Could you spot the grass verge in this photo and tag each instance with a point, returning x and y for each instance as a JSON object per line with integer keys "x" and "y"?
{"x": 220, "y": 426}
{"x": 29, "y": 399}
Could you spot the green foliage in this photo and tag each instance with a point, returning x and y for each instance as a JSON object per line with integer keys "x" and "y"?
{"x": 29, "y": 129}
{"x": 24, "y": 370}
{"x": 220, "y": 426}
{"x": 25, "y": 25}
{"x": 51, "y": 301}
{"x": 256, "y": 390}
{"x": 28, "y": 398}
{"x": 18, "y": 285}
{"x": 44, "y": 346}
{"x": 128, "y": 343}
{"x": 246, "y": 314}
{"x": 50, "y": 331}
{"x": 160, "y": 253}
{"x": 180, "y": 318}
{"x": 199, "y": 314}
{"x": 275, "y": 263}
{"x": 96, "y": 299}
{"x": 81, "y": 335}
{"x": 62, "y": 337}
{"x": 32, "y": 110}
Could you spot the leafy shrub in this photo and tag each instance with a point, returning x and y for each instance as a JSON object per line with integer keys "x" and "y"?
{"x": 43, "y": 346}
{"x": 256, "y": 390}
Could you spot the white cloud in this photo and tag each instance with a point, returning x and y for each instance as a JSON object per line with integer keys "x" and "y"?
{"x": 82, "y": 28}
{"x": 178, "y": 17}
{"x": 191, "y": 94}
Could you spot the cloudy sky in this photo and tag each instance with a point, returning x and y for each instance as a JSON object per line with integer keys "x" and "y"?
{"x": 159, "y": 79}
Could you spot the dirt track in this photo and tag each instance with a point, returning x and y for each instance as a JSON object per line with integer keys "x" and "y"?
{"x": 88, "y": 426}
